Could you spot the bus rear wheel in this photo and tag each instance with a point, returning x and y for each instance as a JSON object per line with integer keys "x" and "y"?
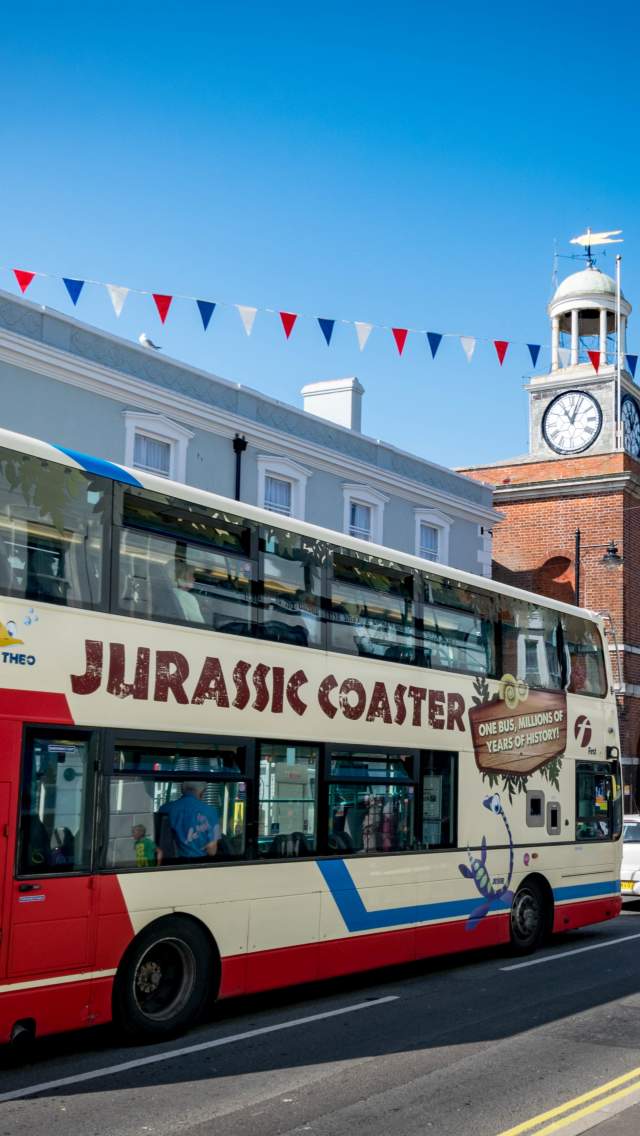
{"x": 529, "y": 918}
{"x": 165, "y": 979}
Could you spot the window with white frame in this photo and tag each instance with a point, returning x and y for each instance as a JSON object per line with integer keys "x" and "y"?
{"x": 277, "y": 495}
{"x": 152, "y": 454}
{"x": 282, "y": 485}
{"x": 363, "y": 512}
{"x": 156, "y": 444}
{"x": 360, "y": 520}
{"x": 429, "y": 542}
{"x": 432, "y": 535}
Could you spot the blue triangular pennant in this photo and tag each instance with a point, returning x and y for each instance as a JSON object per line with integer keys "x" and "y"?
{"x": 435, "y": 339}
{"x": 632, "y": 363}
{"x": 74, "y": 288}
{"x": 206, "y": 309}
{"x": 326, "y": 327}
{"x": 534, "y": 351}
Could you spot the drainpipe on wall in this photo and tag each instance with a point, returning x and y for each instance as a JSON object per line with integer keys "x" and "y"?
{"x": 239, "y": 446}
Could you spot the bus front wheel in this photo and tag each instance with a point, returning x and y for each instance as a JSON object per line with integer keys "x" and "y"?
{"x": 165, "y": 979}
{"x": 529, "y": 917}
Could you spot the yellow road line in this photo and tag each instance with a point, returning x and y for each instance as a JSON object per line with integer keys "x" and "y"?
{"x": 587, "y": 1111}
{"x": 528, "y": 1125}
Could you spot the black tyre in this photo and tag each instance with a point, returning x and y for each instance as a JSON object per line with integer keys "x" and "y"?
{"x": 529, "y": 918}
{"x": 165, "y": 979}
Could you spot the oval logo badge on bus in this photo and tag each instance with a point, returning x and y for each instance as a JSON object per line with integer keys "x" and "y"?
{"x": 582, "y": 731}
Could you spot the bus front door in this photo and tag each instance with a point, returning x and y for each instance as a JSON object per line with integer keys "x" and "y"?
{"x": 50, "y": 925}
{"x": 53, "y": 889}
{"x": 4, "y": 869}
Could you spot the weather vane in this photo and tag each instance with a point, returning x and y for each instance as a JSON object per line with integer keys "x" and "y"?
{"x": 589, "y": 239}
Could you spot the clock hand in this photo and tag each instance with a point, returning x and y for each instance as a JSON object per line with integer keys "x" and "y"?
{"x": 575, "y": 412}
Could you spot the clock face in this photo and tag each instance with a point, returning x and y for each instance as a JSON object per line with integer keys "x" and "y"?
{"x": 572, "y": 422}
{"x": 631, "y": 425}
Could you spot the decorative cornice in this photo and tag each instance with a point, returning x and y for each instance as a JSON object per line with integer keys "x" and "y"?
{"x": 569, "y": 377}
{"x": 365, "y": 492}
{"x": 276, "y": 460}
{"x": 583, "y": 300}
{"x": 158, "y": 423}
{"x": 570, "y": 487}
{"x": 110, "y": 383}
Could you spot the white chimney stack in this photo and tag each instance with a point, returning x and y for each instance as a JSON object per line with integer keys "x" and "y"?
{"x": 339, "y": 401}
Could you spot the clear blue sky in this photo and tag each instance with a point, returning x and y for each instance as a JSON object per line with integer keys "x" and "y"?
{"x": 404, "y": 164}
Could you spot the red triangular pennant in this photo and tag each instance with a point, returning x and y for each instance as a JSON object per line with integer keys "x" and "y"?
{"x": 595, "y": 359}
{"x": 288, "y": 320}
{"x": 501, "y": 348}
{"x": 400, "y": 336}
{"x": 163, "y": 303}
{"x": 24, "y": 278}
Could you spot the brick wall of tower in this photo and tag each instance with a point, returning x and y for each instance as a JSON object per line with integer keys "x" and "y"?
{"x": 543, "y": 503}
{"x": 534, "y": 548}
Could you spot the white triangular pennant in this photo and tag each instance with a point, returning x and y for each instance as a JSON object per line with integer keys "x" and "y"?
{"x": 564, "y": 356}
{"x": 363, "y": 331}
{"x": 117, "y": 295}
{"x": 468, "y": 344}
{"x": 247, "y": 315}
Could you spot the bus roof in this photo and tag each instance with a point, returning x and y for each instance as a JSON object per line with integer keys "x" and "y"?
{"x": 100, "y": 467}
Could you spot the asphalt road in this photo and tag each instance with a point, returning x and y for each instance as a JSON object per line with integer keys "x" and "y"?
{"x": 459, "y": 1046}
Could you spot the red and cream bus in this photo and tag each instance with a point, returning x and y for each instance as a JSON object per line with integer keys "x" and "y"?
{"x": 240, "y": 752}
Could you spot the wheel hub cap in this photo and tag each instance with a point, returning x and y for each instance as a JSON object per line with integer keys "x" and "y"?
{"x": 149, "y": 977}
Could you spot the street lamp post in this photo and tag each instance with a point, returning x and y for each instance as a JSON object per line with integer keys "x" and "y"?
{"x": 611, "y": 558}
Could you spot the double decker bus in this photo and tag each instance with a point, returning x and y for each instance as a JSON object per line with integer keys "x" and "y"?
{"x": 240, "y": 752}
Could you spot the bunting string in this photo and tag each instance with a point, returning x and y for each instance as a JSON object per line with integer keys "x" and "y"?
{"x": 118, "y": 294}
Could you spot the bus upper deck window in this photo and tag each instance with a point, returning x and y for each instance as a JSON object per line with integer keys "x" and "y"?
{"x": 181, "y": 562}
{"x": 458, "y": 627}
{"x": 584, "y": 657}
{"x": 371, "y": 609}
{"x": 51, "y": 531}
{"x": 291, "y": 595}
{"x": 531, "y": 639}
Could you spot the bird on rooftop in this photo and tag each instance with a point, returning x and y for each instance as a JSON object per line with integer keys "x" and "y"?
{"x": 144, "y": 341}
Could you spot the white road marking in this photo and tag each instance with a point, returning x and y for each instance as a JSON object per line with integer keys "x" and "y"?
{"x": 201, "y": 1047}
{"x": 566, "y": 954}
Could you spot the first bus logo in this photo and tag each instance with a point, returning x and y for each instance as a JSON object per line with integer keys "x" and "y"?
{"x": 10, "y": 645}
{"x": 582, "y": 730}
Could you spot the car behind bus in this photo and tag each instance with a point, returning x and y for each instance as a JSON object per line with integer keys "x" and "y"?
{"x": 630, "y": 870}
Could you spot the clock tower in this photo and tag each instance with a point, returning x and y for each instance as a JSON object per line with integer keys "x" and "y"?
{"x": 573, "y": 408}
{"x": 571, "y": 504}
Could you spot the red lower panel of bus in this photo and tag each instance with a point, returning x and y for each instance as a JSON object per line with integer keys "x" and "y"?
{"x": 288, "y": 966}
{"x": 57, "y": 1009}
{"x": 72, "y": 1005}
{"x": 571, "y": 915}
{"x": 266, "y": 970}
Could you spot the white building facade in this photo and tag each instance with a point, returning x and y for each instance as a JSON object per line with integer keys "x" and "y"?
{"x": 82, "y": 388}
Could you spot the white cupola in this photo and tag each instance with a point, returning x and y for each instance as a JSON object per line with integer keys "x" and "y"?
{"x": 581, "y": 406}
{"x": 583, "y": 318}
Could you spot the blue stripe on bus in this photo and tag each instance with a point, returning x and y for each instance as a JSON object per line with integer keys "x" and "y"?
{"x": 586, "y": 891}
{"x": 99, "y": 466}
{"x": 356, "y": 917}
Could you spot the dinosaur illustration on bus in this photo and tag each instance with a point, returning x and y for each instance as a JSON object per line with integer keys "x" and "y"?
{"x": 477, "y": 870}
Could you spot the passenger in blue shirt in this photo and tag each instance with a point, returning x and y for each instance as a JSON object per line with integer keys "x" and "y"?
{"x": 195, "y": 824}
